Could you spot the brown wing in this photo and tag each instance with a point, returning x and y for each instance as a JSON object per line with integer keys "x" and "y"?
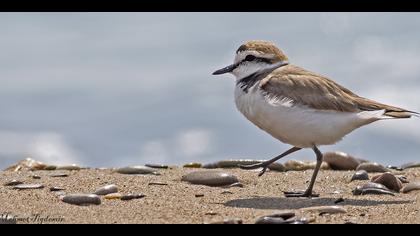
{"x": 309, "y": 89}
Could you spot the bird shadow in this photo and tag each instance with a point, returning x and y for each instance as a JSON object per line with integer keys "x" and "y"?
{"x": 273, "y": 203}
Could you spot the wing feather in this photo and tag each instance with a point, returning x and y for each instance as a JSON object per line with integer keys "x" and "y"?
{"x": 308, "y": 89}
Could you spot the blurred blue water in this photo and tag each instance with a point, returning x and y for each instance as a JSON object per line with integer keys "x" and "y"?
{"x": 112, "y": 89}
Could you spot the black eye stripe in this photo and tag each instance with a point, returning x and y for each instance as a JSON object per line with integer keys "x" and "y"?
{"x": 254, "y": 58}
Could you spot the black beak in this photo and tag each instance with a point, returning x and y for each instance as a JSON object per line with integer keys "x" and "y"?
{"x": 227, "y": 69}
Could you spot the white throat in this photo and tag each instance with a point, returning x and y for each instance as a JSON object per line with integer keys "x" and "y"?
{"x": 250, "y": 68}
{"x": 247, "y": 69}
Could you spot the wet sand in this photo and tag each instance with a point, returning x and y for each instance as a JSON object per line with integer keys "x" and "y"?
{"x": 176, "y": 202}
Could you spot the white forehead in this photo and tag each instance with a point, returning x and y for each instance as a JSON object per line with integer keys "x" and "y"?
{"x": 242, "y": 54}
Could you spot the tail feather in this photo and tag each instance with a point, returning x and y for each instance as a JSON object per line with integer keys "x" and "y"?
{"x": 401, "y": 114}
{"x": 391, "y": 112}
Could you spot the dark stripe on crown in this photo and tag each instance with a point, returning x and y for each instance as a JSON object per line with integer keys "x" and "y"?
{"x": 242, "y": 48}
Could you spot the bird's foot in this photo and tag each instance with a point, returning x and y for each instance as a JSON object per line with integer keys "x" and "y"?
{"x": 307, "y": 194}
{"x": 263, "y": 165}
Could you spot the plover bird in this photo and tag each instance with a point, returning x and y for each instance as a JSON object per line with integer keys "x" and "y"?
{"x": 296, "y": 106}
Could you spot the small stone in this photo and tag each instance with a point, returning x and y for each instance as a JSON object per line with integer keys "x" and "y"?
{"x": 157, "y": 166}
{"x": 59, "y": 175}
{"x": 82, "y": 199}
{"x": 372, "y": 188}
{"x": 326, "y": 209}
{"x": 113, "y": 196}
{"x": 27, "y": 164}
{"x": 238, "y": 185}
{"x": 69, "y": 167}
{"x": 341, "y": 161}
{"x": 28, "y": 186}
{"x": 199, "y": 195}
{"x": 360, "y": 175}
{"x": 210, "y": 178}
{"x": 372, "y": 167}
{"x": 106, "y": 190}
{"x": 388, "y": 180}
{"x": 226, "y": 192}
{"x": 36, "y": 177}
{"x": 229, "y": 222}
{"x": 293, "y": 165}
{"x": 394, "y": 168}
{"x": 411, "y": 187}
{"x": 158, "y": 183}
{"x": 129, "y": 197}
{"x": 410, "y": 165}
{"x": 56, "y": 189}
{"x": 211, "y": 213}
{"x": 137, "y": 170}
{"x": 277, "y": 218}
{"x": 192, "y": 165}
{"x": 13, "y": 183}
{"x": 236, "y": 163}
{"x": 50, "y": 167}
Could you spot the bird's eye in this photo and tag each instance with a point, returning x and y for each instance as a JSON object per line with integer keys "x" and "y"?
{"x": 250, "y": 58}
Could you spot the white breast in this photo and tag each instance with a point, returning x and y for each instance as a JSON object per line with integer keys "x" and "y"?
{"x": 297, "y": 125}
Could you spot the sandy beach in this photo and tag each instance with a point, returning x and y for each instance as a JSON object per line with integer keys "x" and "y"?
{"x": 170, "y": 200}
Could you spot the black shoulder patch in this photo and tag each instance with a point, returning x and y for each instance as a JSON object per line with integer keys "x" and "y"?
{"x": 241, "y": 48}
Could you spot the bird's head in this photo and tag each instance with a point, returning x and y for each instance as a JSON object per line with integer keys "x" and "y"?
{"x": 254, "y": 56}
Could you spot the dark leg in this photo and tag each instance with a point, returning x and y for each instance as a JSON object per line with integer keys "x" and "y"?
{"x": 265, "y": 164}
{"x": 308, "y": 192}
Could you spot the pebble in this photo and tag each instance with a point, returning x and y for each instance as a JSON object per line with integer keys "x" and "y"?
{"x": 229, "y": 222}
{"x": 69, "y": 167}
{"x": 372, "y": 188}
{"x": 28, "y": 186}
{"x": 129, "y": 197}
{"x": 410, "y": 165}
{"x": 372, "y": 167}
{"x": 36, "y": 177}
{"x": 411, "y": 187}
{"x": 232, "y": 163}
{"x": 199, "y": 195}
{"x": 360, "y": 175}
{"x": 106, "y": 190}
{"x": 59, "y": 175}
{"x": 326, "y": 209}
{"x": 388, "y": 180}
{"x": 56, "y": 189}
{"x": 82, "y": 199}
{"x": 394, "y": 168}
{"x": 113, "y": 196}
{"x": 13, "y": 183}
{"x": 157, "y": 166}
{"x": 239, "y": 185}
{"x": 293, "y": 165}
{"x": 50, "y": 167}
{"x": 27, "y": 164}
{"x": 157, "y": 183}
{"x": 211, "y": 213}
{"x": 341, "y": 161}
{"x": 193, "y": 165}
{"x": 137, "y": 170}
{"x": 210, "y": 178}
{"x": 277, "y": 218}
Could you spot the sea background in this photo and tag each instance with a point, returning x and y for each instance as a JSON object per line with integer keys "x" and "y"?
{"x": 116, "y": 89}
